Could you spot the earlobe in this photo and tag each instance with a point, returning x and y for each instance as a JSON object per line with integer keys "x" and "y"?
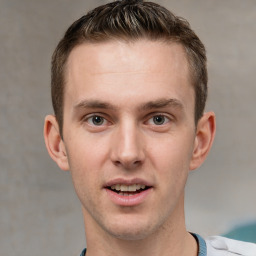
{"x": 54, "y": 143}
{"x": 205, "y": 134}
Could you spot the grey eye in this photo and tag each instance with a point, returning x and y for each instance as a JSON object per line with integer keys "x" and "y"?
{"x": 159, "y": 120}
{"x": 97, "y": 120}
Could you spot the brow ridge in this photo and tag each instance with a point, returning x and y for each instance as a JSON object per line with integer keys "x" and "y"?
{"x": 161, "y": 103}
{"x": 154, "y": 104}
{"x": 94, "y": 104}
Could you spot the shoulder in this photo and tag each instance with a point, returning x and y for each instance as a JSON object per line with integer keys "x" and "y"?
{"x": 221, "y": 246}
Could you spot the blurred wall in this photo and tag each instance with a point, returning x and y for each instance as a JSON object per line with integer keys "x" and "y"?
{"x": 40, "y": 214}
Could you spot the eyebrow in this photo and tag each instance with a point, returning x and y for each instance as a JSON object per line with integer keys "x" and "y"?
{"x": 161, "y": 103}
{"x": 155, "y": 104}
{"x": 94, "y": 104}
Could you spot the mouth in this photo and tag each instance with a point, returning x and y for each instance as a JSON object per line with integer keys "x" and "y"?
{"x": 128, "y": 190}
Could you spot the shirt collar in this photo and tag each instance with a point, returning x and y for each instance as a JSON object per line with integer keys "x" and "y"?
{"x": 200, "y": 241}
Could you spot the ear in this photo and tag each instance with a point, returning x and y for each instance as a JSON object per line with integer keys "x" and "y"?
{"x": 205, "y": 133}
{"x": 54, "y": 143}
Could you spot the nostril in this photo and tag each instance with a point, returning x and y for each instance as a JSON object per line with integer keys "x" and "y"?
{"x": 117, "y": 163}
{"x": 137, "y": 162}
{"x": 127, "y": 164}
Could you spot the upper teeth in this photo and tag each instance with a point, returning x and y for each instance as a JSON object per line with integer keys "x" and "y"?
{"x": 133, "y": 187}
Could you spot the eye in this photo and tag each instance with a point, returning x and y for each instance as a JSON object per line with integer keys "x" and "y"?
{"x": 158, "y": 120}
{"x": 96, "y": 120}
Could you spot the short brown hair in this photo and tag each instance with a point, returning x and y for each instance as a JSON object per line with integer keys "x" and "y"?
{"x": 130, "y": 20}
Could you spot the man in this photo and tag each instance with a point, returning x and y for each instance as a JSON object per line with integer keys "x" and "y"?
{"x": 129, "y": 85}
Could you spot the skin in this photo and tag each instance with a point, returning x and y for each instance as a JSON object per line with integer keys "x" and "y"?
{"x": 129, "y": 87}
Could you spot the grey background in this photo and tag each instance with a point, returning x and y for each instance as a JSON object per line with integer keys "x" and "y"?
{"x": 40, "y": 214}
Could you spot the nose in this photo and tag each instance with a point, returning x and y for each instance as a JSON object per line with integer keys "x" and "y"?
{"x": 127, "y": 147}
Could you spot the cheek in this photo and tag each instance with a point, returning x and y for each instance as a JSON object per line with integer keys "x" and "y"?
{"x": 85, "y": 159}
{"x": 85, "y": 178}
{"x": 171, "y": 159}
{"x": 172, "y": 152}
{"x": 86, "y": 151}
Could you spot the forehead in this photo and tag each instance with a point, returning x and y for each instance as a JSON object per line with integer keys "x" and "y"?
{"x": 135, "y": 56}
{"x": 134, "y": 67}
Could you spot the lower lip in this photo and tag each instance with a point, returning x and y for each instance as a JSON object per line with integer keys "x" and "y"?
{"x": 132, "y": 200}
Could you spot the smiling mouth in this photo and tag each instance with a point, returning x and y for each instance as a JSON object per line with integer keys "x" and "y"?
{"x": 128, "y": 190}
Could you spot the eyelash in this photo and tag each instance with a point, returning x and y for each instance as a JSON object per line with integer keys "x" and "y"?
{"x": 153, "y": 118}
{"x": 91, "y": 121}
{"x": 104, "y": 121}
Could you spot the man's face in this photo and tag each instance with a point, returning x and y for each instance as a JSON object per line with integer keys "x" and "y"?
{"x": 129, "y": 125}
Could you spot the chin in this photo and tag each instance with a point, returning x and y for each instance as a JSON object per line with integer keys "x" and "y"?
{"x": 130, "y": 235}
{"x": 131, "y": 231}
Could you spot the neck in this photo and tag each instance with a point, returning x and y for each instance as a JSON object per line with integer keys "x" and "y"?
{"x": 171, "y": 239}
